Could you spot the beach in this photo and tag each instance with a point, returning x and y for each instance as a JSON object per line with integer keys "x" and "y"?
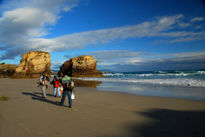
{"x": 95, "y": 113}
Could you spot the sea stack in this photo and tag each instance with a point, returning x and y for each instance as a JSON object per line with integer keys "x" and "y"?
{"x": 33, "y": 64}
{"x": 7, "y": 70}
{"x": 82, "y": 66}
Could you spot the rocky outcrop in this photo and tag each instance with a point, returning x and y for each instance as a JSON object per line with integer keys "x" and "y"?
{"x": 7, "y": 70}
{"x": 86, "y": 83}
{"x": 82, "y": 66}
{"x": 33, "y": 64}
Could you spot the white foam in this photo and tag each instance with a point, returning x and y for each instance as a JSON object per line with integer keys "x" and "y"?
{"x": 113, "y": 74}
{"x": 200, "y": 72}
{"x": 169, "y": 82}
{"x": 156, "y": 74}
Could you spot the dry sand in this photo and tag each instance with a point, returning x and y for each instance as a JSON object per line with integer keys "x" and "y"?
{"x": 95, "y": 114}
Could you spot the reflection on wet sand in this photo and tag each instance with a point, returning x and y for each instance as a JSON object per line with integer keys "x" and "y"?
{"x": 86, "y": 83}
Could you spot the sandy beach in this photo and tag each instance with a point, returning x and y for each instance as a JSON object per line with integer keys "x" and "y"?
{"x": 95, "y": 114}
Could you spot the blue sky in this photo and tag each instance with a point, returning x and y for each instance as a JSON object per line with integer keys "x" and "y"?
{"x": 123, "y": 35}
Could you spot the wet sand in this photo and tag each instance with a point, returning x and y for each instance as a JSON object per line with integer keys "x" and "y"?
{"x": 95, "y": 114}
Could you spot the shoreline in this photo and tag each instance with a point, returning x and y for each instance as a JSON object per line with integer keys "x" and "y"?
{"x": 178, "y": 87}
{"x": 95, "y": 113}
{"x": 97, "y": 86}
{"x": 149, "y": 90}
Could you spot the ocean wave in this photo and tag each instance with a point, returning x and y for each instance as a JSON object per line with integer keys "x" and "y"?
{"x": 113, "y": 74}
{"x": 167, "y": 82}
{"x": 200, "y": 72}
{"x": 157, "y": 74}
{"x": 165, "y": 74}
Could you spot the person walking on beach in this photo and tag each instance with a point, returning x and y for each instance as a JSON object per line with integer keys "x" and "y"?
{"x": 43, "y": 85}
{"x": 67, "y": 90}
{"x": 56, "y": 87}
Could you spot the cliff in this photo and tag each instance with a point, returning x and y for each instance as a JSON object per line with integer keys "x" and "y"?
{"x": 7, "y": 70}
{"x": 33, "y": 64}
{"x": 82, "y": 66}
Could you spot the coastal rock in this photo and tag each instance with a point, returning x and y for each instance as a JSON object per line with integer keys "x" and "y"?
{"x": 82, "y": 66}
{"x": 33, "y": 64}
{"x": 86, "y": 83}
{"x": 7, "y": 70}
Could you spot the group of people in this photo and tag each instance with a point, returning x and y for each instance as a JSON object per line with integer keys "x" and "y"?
{"x": 61, "y": 87}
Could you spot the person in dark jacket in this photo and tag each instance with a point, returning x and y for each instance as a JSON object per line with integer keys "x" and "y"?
{"x": 67, "y": 90}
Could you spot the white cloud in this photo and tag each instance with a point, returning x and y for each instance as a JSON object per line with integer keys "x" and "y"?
{"x": 53, "y": 6}
{"x": 56, "y": 65}
{"x": 23, "y": 28}
{"x": 156, "y": 28}
{"x": 185, "y": 60}
{"x": 110, "y": 57}
{"x": 66, "y": 9}
{"x": 197, "y": 19}
{"x": 189, "y": 54}
{"x": 117, "y": 54}
{"x": 184, "y": 25}
{"x": 161, "y": 27}
{"x": 129, "y": 60}
{"x": 22, "y": 24}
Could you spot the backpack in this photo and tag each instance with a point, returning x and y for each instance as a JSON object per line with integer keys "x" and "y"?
{"x": 41, "y": 82}
{"x": 68, "y": 86}
{"x": 47, "y": 78}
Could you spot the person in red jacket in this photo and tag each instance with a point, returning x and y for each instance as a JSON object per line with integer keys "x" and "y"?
{"x": 56, "y": 87}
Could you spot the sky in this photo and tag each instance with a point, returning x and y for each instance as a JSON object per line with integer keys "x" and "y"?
{"x": 123, "y": 35}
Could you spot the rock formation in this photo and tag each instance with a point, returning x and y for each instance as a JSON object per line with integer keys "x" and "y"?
{"x": 7, "y": 70}
{"x": 33, "y": 64}
{"x": 82, "y": 66}
{"x": 86, "y": 83}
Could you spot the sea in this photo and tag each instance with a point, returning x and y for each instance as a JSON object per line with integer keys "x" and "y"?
{"x": 189, "y": 84}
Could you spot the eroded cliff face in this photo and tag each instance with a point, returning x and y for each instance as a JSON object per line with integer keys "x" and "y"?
{"x": 82, "y": 66}
{"x": 33, "y": 64}
{"x": 7, "y": 70}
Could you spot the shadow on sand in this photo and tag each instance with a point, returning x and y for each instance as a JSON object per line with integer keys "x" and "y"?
{"x": 168, "y": 123}
{"x": 38, "y": 96}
